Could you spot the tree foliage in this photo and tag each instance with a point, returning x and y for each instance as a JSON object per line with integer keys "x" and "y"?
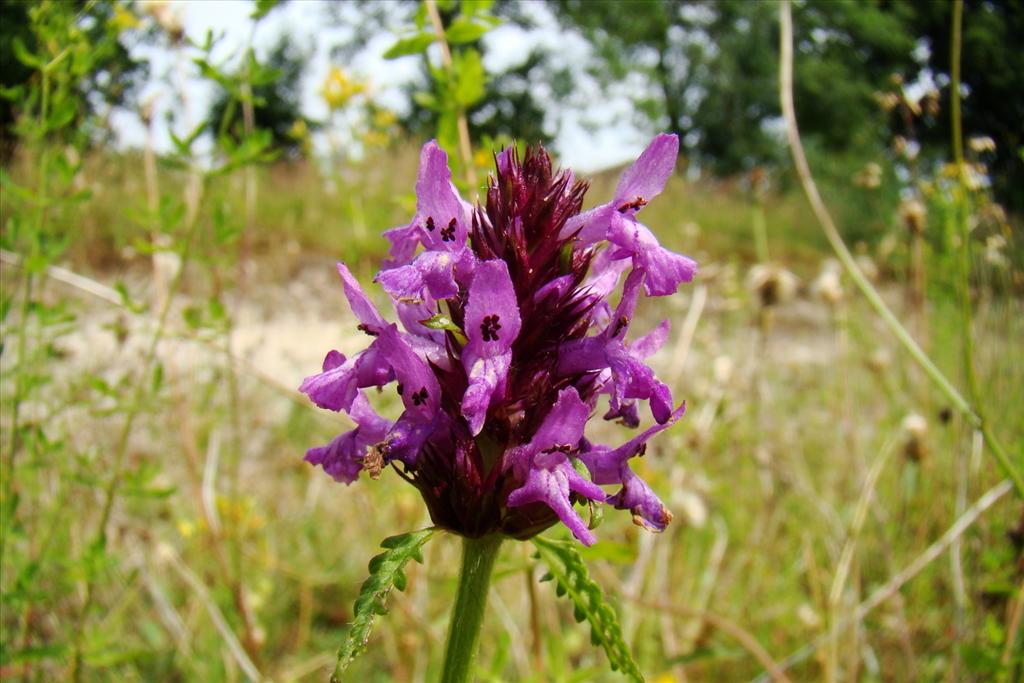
{"x": 111, "y": 79}
{"x": 712, "y": 69}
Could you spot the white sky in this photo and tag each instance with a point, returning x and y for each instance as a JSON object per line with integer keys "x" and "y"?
{"x": 614, "y": 140}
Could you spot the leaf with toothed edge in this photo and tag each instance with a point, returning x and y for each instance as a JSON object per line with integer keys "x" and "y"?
{"x": 569, "y": 572}
{"x": 387, "y": 571}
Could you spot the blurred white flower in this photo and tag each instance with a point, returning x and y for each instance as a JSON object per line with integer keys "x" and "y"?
{"x": 981, "y": 143}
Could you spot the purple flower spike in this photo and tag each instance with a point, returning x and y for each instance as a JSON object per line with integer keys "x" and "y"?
{"x": 492, "y": 324}
{"x": 509, "y": 343}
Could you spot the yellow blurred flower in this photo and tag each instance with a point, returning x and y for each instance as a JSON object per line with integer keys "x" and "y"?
{"x": 338, "y": 88}
{"x": 481, "y": 158}
{"x": 375, "y": 138}
{"x": 384, "y": 118}
{"x": 123, "y": 19}
{"x": 299, "y": 130}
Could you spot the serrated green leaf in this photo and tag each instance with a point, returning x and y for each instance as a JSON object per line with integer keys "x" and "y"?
{"x": 413, "y": 45}
{"x": 387, "y": 571}
{"x": 572, "y": 578}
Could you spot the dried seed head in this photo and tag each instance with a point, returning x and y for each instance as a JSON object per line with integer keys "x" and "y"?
{"x": 828, "y": 286}
{"x": 771, "y": 284}
{"x": 915, "y": 431}
{"x": 879, "y": 360}
{"x": 869, "y": 177}
{"x": 914, "y": 215}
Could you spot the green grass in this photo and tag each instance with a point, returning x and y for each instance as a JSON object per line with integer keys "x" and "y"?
{"x": 764, "y": 473}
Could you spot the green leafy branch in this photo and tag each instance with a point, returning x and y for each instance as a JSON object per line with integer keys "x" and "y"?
{"x": 387, "y": 571}
{"x": 460, "y": 78}
{"x": 567, "y": 569}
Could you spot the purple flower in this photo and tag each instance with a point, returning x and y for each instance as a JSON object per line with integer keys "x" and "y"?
{"x": 509, "y": 345}
{"x": 492, "y": 324}
{"x": 343, "y": 457}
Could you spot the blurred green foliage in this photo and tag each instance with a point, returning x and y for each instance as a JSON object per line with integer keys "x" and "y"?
{"x": 273, "y": 86}
{"x": 107, "y": 77}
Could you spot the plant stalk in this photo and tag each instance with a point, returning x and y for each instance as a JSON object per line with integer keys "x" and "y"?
{"x": 465, "y": 145}
{"x": 478, "y": 555}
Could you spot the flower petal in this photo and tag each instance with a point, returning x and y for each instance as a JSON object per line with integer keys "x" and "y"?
{"x": 637, "y": 497}
{"x": 421, "y": 394}
{"x": 665, "y": 269}
{"x": 369, "y": 317}
{"x": 552, "y": 487}
{"x": 431, "y": 274}
{"x": 486, "y": 380}
{"x": 605, "y": 464}
{"x": 404, "y": 241}
{"x": 649, "y": 344}
{"x": 492, "y": 314}
{"x": 492, "y": 324}
{"x": 438, "y": 199}
{"x": 562, "y": 427}
{"x": 335, "y": 388}
{"x": 646, "y": 178}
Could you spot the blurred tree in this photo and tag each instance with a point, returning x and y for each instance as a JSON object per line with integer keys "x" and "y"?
{"x": 509, "y": 108}
{"x": 518, "y": 102}
{"x": 112, "y": 80}
{"x": 993, "y": 76}
{"x": 713, "y": 68}
{"x": 277, "y": 98}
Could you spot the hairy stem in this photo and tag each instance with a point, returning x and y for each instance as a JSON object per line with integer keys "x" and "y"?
{"x": 478, "y": 555}
{"x": 846, "y": 258}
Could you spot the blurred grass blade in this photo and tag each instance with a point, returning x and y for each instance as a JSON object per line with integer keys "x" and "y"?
{"x": 387, "y": 571}
{"x": 566, "y": 567}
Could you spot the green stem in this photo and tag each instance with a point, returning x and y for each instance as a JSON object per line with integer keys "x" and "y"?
{"x": 478, "y": 555}
{"x": 962, "y": 208}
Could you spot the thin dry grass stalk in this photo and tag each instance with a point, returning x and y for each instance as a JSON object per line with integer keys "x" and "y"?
{"x": 898, "y": 580}
{"x": 727, "y": 626}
